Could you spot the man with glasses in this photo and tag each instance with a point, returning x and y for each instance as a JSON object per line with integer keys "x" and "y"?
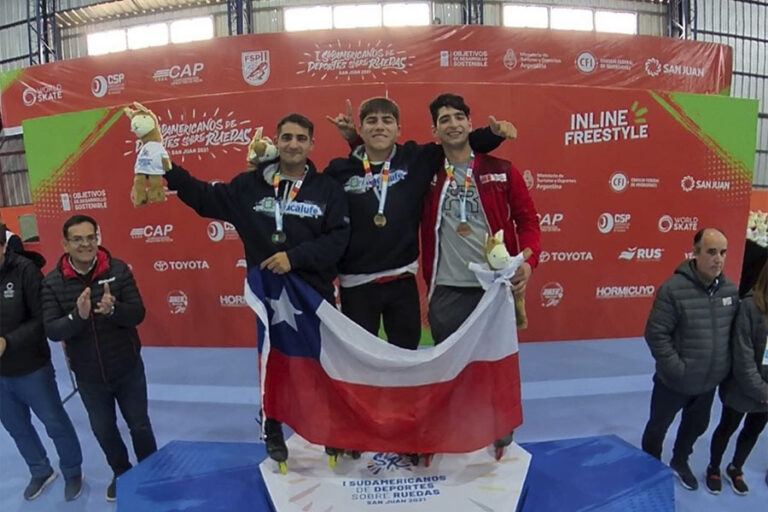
{"x": 91, "y": 302}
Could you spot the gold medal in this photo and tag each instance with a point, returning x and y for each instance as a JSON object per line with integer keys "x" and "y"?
{"x": 380, "y": 220}
{"x": 278, "y": 237}
{"x": 464, "y": 229}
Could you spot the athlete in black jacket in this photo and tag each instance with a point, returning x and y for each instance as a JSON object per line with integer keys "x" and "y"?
{"x": 315, "y": 226}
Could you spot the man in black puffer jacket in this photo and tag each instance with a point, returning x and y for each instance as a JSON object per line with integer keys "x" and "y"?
{"x": 90, "y": 301}
{"x": 27, "y": 381}
{"x": 688, "y": 332}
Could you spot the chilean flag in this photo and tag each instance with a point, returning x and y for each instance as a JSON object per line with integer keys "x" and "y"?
{"x": 337, "y": 385}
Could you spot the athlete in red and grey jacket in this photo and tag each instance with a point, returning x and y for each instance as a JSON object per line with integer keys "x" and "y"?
{"x": 496, "y": 198}
{"x": 472, "y": 195}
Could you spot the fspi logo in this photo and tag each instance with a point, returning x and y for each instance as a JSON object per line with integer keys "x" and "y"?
{"x": 586, "y": 62}
{"x": 510, "y": 59}
{"x": 613, "y": 222}
{"x": 550, "y": 222}
{"x": 218, "y": 231}
{"x": 42, "y": 94}
{"x": 255, "y": 67}
{"x": 654, "y": 67}
{"x": 619, "y": 182}
{"x": 689, "y": 184}
{"x": 180, "y": 74}
{"x": 102, "y": 85}
{"x": 561, "y": 256}
{"x": 551, "y": 294}
{"x": 607, "y": 126}
{"x": 177, "y": 302}
{"x": 388, "y": 463}
{"x": 669, "y": 223}
{"x": 642, "y": 254}
{"x": 232, "y": 301}
{"x": 153, "y": 233}
{"x": 165, "y": 265}
{"x": 640, "y": 291}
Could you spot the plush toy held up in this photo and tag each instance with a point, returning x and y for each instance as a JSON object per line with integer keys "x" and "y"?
{"x": 152, "y": 160}
{"x": 498, "y": 258}
{"x": 261, "y": 149}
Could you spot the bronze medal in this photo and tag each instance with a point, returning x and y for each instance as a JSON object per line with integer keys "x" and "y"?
{"x": 464, "y": 229}
{"x": 380, "y": 220}
{"x": 278, "y": 237}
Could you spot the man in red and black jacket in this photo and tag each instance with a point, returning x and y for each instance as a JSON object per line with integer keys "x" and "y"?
{"x": 91, "y": 302}
{"x": 459, "y": 212}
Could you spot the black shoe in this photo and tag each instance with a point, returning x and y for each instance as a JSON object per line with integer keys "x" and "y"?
{"x": 73, "y": 487}
{"x": 37, "y": 484}
{"x": 275, "y": 441}
{"x": 685, "y": 475}
{"x": 112, "y": 490}
{"x": 736, "y": 479}
{"x": 714, "y": 483}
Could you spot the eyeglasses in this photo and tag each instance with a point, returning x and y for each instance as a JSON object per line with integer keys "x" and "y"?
{"x": 77, "y": 240}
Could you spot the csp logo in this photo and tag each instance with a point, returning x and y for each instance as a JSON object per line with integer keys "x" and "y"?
{"x": 218, "y": 231}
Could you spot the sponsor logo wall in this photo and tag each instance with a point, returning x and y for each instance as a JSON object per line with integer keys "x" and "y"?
{"x": 620, "y": 180}
{"x": 420, "y": 55}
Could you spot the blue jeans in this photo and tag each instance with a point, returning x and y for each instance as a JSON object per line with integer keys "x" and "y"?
{"x": 130, "y": 393}
{"x": 37, "y": 391}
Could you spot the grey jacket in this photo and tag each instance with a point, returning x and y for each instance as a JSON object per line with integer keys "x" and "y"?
{"x": 747, "y": 389}
{"x": 689, "y": 329}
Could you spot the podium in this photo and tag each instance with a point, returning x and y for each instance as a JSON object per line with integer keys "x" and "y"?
{"x": 599, "y": 474}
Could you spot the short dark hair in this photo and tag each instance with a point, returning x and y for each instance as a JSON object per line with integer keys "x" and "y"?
{"x": 447, "y": 100}
{"x": 379, "y": 105}
{"x": 700, "y": 234}
{"x": 78, "y": 219}
{"x": 300, "y": 120}
{"x": 3, "y": 231}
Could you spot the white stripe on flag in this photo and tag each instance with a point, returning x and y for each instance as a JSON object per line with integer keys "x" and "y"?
{"x": 351, "y": 354}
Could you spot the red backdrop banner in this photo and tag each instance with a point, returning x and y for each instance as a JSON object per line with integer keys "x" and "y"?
{"x": 621, "y": 178}
{"x": 435, "y": 54}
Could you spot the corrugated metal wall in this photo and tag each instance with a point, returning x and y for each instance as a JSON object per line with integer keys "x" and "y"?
{"x": 14, "y": 182}
{"x": 744, "y": 26}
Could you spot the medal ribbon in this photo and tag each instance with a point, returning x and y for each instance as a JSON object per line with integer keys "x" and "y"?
{"x": 381, "y": 193}
{"x": 279, "y": 207}
{"x": 467, "y": 183}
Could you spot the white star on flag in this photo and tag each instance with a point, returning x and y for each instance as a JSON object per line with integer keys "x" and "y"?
{"x": 284, "y": 310}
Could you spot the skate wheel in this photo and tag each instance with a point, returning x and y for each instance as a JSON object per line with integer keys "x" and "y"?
{"x": 428, "y": 460}
{"x": 283, "y": 468}
{"x": 332, "y": 461}
{"x": 499, "y": 452}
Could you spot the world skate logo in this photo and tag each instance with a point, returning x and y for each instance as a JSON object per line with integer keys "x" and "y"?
{"x": 388, "y": 462}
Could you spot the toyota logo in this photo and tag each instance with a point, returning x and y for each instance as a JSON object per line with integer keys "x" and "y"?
{"x": 161, "y": 265}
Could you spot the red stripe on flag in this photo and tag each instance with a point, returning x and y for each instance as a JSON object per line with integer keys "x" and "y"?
{"x": 462, "y": 415}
